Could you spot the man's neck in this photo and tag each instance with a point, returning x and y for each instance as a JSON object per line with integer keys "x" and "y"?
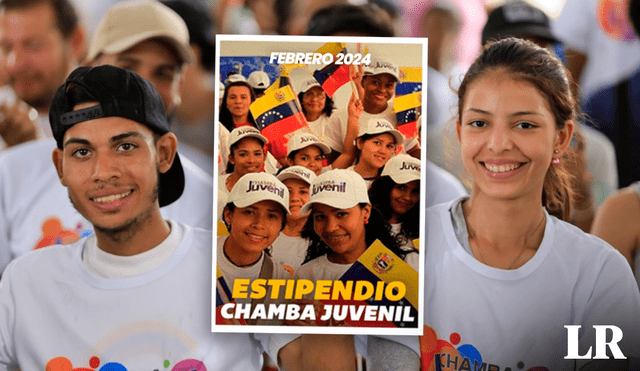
{"x": 135, "y": 239}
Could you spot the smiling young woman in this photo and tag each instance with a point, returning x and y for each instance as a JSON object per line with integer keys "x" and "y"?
{"x": 507, "y": 248}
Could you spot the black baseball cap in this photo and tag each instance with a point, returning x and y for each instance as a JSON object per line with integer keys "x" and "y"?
{"x": 119, "y": 93}
{"x": 517, "y": 19}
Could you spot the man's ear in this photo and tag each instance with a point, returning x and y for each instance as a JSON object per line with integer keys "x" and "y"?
{"x": 78, "y": 43}
{"x": 166, "y": 149}
{"x": 57, "y": 157}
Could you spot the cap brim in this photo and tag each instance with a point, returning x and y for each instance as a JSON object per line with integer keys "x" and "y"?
{"x": 171, "y": 183}
{"x": 259, "y": 137}
{"x": 335, "y": 202}
{"x": 248, "y": 201}
{"x": 284, "y": 176}
{"x": 404, "y": 178}
{"x": 184, "y": 53}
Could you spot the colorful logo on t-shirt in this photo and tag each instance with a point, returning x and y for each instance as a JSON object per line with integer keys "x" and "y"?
{"x": 63, "y": 364}
{"x": 611, "y": 16}
{"x": 442, "y": 355}
{"x": 54, "y": 233}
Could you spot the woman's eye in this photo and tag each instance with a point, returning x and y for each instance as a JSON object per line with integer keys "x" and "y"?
{"x": 525, "y": 125}
{"x": 478, "y": 124}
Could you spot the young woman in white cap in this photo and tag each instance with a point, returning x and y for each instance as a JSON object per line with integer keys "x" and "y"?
{"x": 377, "y": 141}
{"x": 504, "y": 270}
{"x": 290, "y": 249}
{"x": 396, "y": 194}
{"x": 341, "y": 225}
{"x": 246, "y": 154}
{"x": 255, "y": 214}
{"x": 306, "y": 149}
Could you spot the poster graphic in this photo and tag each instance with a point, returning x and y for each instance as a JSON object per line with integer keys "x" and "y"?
{"x": 326, "y": 122}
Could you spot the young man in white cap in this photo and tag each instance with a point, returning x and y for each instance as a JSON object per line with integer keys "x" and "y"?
{"x": 137, "y": 291}
{"x": 36, "y": 212}
{"x": 378, "y": 84}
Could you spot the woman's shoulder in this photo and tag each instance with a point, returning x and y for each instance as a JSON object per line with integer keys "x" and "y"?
{"x": 576, "y": 243}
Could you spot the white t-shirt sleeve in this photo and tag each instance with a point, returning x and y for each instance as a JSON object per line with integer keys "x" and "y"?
{"x": 614, "y": 300}
{"x": 5, "y": 222}
{"x": 336, "y": 130}
{"x": 7, "y": 320}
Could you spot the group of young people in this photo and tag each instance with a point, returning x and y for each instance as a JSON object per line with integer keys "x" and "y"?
{"x": 504, "y": 272}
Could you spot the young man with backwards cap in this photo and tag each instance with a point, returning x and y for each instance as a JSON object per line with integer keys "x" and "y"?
{"x": 137, "y": 293}
{"x": 35, "y": 211}
{"x": 379, "y": 83}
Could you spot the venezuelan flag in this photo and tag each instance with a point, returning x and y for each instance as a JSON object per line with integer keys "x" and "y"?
{"x": 379, "y": 264}
{"x": 407, "y": 102}
{"x": 278, "y": 114}
{"x": 332, "y": 76}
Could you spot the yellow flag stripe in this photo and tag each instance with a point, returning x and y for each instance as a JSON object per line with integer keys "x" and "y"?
{"x": 411, "y": 74}
{"x": 333, "y": 48}
{"x": 271, "y": 100}
{"x": 398, "y": 270}
{"x": 405, "y": 102}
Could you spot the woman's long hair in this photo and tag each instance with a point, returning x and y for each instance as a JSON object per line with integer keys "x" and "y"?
{"x": 225, "y": 115}
{"x": 379, "y": 194}
{"x": 526, "y": 61}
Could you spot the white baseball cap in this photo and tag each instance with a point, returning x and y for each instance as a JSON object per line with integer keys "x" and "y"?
{"x": 381, "y": 66}
{"x": 303, "y": 140}
{"x": 402, "y": 168}
{"x": 259, "y": 80}
{"x": 128, "y": 23}
{"x": 234, "y": 77}
{"x": 339, "y": 188}
{"x": 309, "y": 83}
{"x": 242, "y": 132}
{"x": 297, "y": 172}
{"x": 255, "y": 187}
{"x": 377, "y": 126}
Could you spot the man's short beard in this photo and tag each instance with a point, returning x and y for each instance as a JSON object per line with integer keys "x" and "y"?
{"x": 130, "y": 227}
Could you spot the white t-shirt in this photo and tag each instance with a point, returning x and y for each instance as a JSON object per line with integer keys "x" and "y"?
{"x": 231, "y": 272}
{"x": 317, "y": 126}
{"x": 515, "y": 318}
{"x": 289, "y": 251}
{"x": 53, "y": 307}
{"x": 610, "y": 57}
{"x": 336, "y": 129}
{"x": 35, "y": 210}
